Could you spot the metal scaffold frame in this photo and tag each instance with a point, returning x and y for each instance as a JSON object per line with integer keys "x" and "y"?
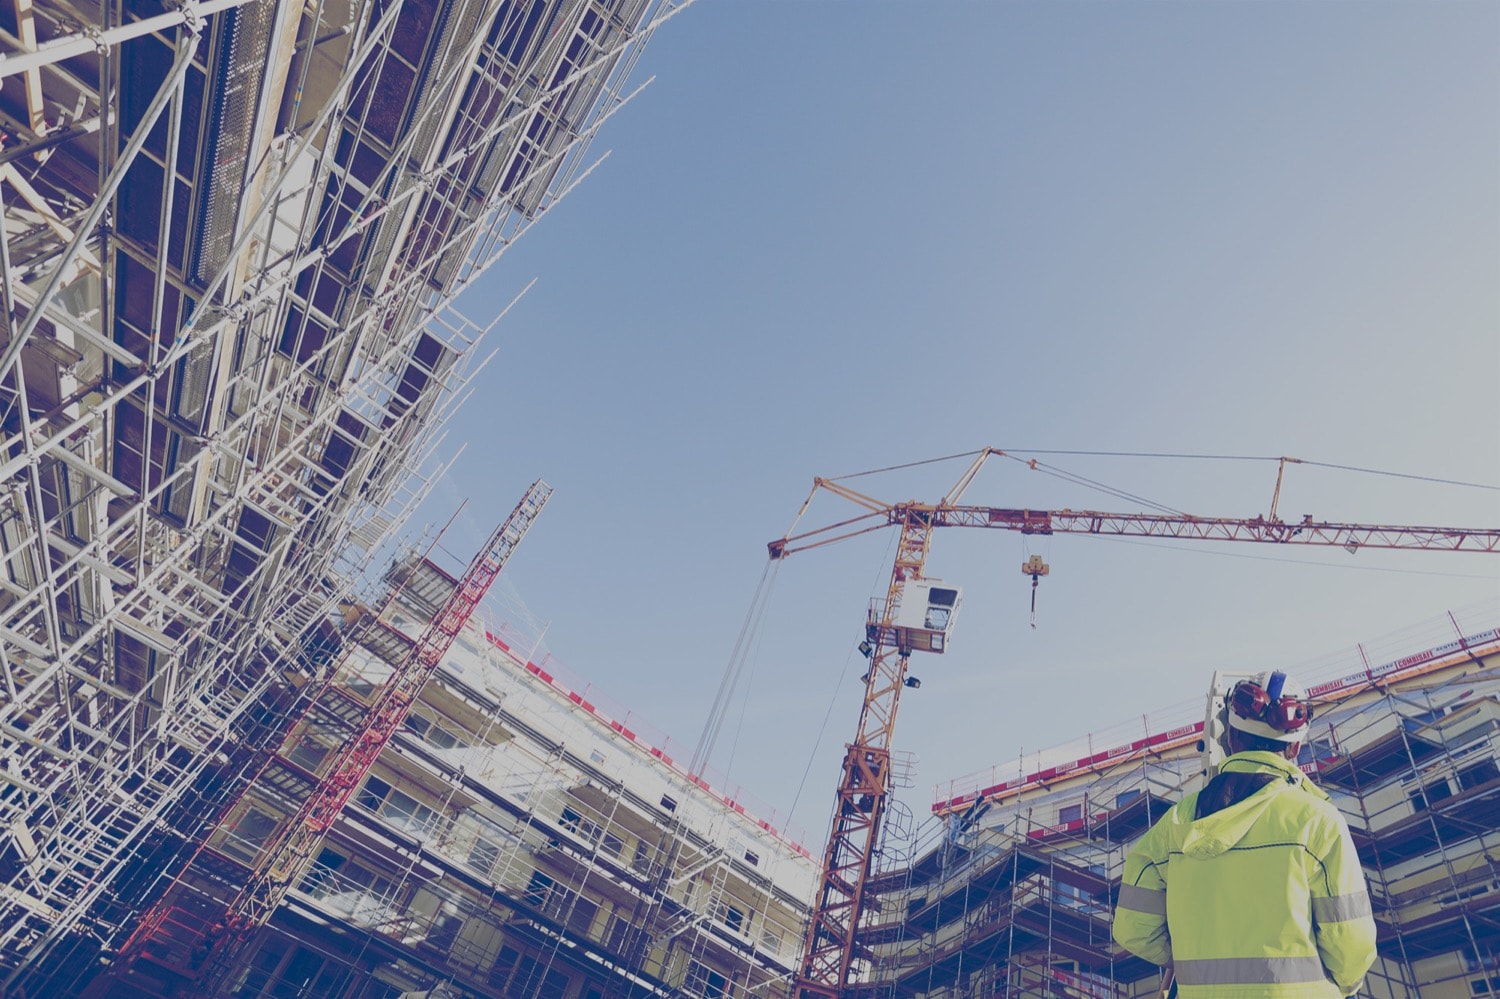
{"x": 1011, "y": 892}
{"x": 225, "y": 351}
{"x": 511, "y": 830}
{"x": 1418, "y": 766}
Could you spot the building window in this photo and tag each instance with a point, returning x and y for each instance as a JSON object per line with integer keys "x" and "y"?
{"x": 734, "y": 919}
{"x": 283, "y": 969}
{"x": 348, "y": 888}
{"x": 321, "y": 873}
{"x": 619, "y": 935}
{"x": 526, "y": 979}
{"x": 483, "y": 855}
{"x": 581, "y": 916}
{"x": 249, "y": 833}
{"x": 445, "y": 928}
{"x": 612, "y": 844}
{"x": 770, "y": 939}
{"x": 1475, "y": 960}
{"x": 1070, "y": 813}
{"x": 1424, "y": 796}
{"x": 643, "y": 860}
{"x": 309, "y": 753}
{"x": 584, "y": 828}
{"x": 539, "y": 889}
{"x": 1126, "y": 797}
{"x": 554, "y": 985}
{"x": 515, "y": 29}
{"x": 706, "y": 983}
{"x": 431, "y": 732}
{"x": 400, "y": 809}
{"x": 504, "y": 964}
{"x": 1480, "y": 773}
{"x": 535, "y": 980}
{"x": 405, "y": 812}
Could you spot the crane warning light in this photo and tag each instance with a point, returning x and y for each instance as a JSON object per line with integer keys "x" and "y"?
{"x": 926, "y": 615}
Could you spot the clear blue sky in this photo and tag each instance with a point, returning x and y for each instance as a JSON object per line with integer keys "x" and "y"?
{"x": 837, "y": 236}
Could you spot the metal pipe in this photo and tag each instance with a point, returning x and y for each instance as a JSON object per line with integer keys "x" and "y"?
{"x": 101, "y": 204}
{"x": 59, "y": 49}
{"x": 84, "y": 126}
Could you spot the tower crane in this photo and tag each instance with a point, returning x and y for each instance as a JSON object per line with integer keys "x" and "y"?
{"x": 895, "y": 629}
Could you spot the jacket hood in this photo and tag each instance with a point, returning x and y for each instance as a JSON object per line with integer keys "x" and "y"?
{"x": 1214, "y": 834}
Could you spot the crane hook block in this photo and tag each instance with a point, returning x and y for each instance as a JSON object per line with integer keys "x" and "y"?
{"x": 1036, "y": 569}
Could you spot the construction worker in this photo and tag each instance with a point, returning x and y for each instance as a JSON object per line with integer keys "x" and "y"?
{"x": 1251, "y": 887}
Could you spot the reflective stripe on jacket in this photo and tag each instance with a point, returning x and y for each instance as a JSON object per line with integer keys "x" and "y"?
{"x": 1264, "y": 898}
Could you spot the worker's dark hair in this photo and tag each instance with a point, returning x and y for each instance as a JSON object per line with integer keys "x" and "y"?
{"x": 1250, "y": 742}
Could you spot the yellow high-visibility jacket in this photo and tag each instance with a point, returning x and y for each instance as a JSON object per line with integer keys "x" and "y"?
{"x": 1262, "y": 899}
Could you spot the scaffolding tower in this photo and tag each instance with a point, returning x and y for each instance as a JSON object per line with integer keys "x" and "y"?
{"x": 233, "y": 237}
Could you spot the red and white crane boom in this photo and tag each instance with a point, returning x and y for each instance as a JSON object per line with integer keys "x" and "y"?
{"x": 298, "y": 843}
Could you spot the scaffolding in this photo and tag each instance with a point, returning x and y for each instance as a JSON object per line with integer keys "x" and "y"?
{"x": 234, "y": 235}
{"x": 1012, "y": 889}
{"x": 512, "y": 839}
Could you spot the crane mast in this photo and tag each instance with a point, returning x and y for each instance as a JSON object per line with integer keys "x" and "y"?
{"x": 864, "y": 788}
{"x": 298, "y": 844}
{"x": 832, "y": 942}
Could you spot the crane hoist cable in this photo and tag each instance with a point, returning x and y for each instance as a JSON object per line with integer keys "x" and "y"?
{"x": 1036, "y": 569}
{"x": 734, "y": 670}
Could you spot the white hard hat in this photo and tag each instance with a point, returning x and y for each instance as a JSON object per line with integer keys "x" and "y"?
{"x": 1271, "y": 705}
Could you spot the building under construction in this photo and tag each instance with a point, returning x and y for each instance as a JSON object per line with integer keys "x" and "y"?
{"x": 1012, "y": 892}
{"x": 512, "y": 838}
{"x": 251, "y": 746}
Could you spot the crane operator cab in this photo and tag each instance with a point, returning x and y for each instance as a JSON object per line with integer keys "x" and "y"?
{"x": 928, "y": 610}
